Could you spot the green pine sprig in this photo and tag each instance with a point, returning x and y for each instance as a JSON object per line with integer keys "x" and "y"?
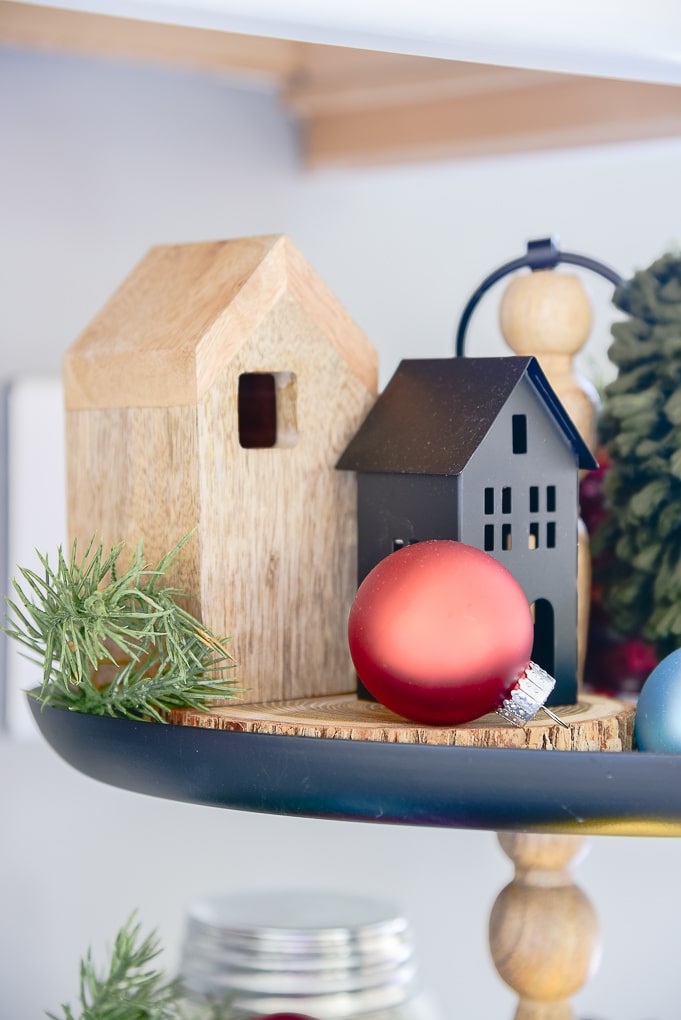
{"x": 129, "y": 988}
{"x": 117, "y": 643}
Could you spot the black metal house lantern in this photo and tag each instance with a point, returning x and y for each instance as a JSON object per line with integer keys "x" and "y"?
{"x": 482, "y": 451}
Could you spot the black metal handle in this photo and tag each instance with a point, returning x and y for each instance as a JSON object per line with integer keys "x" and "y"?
{"x": 543, "y": 253}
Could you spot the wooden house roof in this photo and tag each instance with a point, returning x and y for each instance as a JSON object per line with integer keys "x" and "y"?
{"x": 183, "y": 313}
{"x": 434, "y": 413}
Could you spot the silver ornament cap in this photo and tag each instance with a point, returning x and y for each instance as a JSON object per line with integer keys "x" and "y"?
{"x": 532, "y": 688}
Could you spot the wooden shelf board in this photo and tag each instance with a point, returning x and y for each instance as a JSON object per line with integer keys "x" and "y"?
{"x": 360, "y": 107}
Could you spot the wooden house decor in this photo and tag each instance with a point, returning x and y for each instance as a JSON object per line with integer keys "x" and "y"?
{"x": 215, "y": 391}
{"x": 479, "y": 450}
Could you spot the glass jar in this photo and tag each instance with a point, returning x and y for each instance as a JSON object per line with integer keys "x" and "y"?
{"x": 318, "y": 954}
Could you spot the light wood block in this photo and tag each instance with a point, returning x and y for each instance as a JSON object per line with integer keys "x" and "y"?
{"x": 595, "y": 724}
{"x": 153, "y": 449}
{"x": 174, "y": 325}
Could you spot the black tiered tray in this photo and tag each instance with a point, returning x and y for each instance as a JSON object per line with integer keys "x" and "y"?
{"x": 618, "y": 793}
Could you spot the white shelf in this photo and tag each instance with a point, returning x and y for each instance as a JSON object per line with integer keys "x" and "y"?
{"x": 610, "y": 38}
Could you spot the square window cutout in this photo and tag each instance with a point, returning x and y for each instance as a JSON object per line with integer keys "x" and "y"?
{"x": 267, "y": 410}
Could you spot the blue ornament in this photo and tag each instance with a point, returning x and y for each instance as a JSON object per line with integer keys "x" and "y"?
{"x": 658, "y": 714}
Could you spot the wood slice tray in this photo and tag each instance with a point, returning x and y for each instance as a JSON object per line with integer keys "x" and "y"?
{"x": 385, "y": 779}
{"x": 595, "y": 724}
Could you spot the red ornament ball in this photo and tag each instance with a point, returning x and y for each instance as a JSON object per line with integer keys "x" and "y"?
{"x": 439, "y": 632}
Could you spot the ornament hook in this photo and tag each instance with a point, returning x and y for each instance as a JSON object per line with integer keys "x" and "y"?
{"x": 552, "y": 715}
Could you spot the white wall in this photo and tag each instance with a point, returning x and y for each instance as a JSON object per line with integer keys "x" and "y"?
{"x": 99, "y": 163}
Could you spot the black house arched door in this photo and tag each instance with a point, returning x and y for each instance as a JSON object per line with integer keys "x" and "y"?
{"x": 543, "y": 648}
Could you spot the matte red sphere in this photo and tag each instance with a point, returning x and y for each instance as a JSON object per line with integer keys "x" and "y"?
{"x": 439, "y": 632}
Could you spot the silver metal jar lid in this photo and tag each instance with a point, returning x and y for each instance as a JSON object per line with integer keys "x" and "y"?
{"x": 318, "y": 953}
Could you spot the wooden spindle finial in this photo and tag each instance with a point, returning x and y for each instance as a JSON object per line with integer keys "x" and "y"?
{"x": 543, "y": 929}
{"x": 528, "y": 313}
{"x": 548, "y": 314}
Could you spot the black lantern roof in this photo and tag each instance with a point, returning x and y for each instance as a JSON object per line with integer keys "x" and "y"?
{"x": 435, "y": 412}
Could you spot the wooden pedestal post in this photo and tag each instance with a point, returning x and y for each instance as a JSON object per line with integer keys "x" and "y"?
{"x": 543, "y": 930}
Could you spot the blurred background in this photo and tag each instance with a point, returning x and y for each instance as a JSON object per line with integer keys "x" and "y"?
{"x": 102, "y": 159}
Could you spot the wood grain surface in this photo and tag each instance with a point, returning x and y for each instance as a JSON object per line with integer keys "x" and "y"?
{"x": 595, "y": 724}
{"x": 176, "y": 321}
{"x": 273, "y": 559}
{"x": 543, "y": 929}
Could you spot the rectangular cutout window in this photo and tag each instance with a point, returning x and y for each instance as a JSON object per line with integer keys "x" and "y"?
{"x": 489, "y": 537}
{"x": 551, "y": 535}
{"x": 399, "y": 543}
{"x": 506, "y": 541}
{"x": 519, "y": 433}
{"x": 266, "y": 409}
{"x": 533, "y": 537}
{"x": 551, "y": 499}
{"x": 534, "y": 499}
{"x": 506, "y": 500}
{"x": 489, "y": 500}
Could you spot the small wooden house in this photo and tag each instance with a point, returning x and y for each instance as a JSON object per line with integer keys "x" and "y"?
{"x": 479, "y": 450}
{"x": 215, "y": 391}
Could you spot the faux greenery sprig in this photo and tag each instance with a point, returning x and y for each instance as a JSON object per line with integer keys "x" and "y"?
{"x": 113, "y": 643}
{"x": 130, "y": 989}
